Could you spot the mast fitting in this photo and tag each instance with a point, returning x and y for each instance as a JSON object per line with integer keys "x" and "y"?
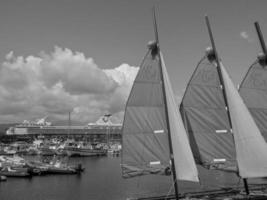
{"x": 262, "y": 58}
{"x": 210, "y": 53}
{"x": 153, "y": 46}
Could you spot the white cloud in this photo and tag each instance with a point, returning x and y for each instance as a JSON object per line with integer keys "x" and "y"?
{"x": 55, "y": 83}
{"x": 245, "y": 36}
{"x": 10, "y": 55}
{"x": 78, "y": 75}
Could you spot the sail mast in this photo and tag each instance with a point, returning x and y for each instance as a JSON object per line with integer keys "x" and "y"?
{"x": 218, "y": 67}
{"x": 166, "y": 108}
{"x": 221, "y": 81}
{"x": 69, "y": 124}
{"x": 263, "y": 46}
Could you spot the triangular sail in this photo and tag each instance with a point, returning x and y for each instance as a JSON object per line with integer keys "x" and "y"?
{"x": 183, "y": 157}
{"x": 251, "y": 149}
{"x": 253, "y": 90}
{"x": 145, "y": 147}
{"x": 204, "y": 113}
{"x": 145, "y": 134}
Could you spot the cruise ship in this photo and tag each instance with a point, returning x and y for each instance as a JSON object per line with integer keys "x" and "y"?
{"x": 102, "y": 128}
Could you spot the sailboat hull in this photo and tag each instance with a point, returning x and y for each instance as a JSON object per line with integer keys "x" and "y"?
{"x": 85, "y": 152}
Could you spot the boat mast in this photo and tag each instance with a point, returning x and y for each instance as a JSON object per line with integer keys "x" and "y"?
{"x": 263, "y": 46}
{"x": 69, "y": 124}
{"x": 157, "y": 50}
{"x": 214, "y": 51}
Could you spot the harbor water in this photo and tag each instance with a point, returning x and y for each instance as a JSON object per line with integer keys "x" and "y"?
{"x": 102, "y": 180}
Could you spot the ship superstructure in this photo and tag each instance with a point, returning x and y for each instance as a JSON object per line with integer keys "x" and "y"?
{"x": 100, "y": 128}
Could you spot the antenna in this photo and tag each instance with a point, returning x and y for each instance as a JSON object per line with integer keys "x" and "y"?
{"x": 258, "y": 29}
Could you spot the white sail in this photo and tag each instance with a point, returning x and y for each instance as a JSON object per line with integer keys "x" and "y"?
{"x": 251, "y": 148}
{"x": 183, "y": 158}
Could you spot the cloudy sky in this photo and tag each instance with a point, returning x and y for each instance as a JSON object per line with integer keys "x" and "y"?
{"x": 82, "y": 55}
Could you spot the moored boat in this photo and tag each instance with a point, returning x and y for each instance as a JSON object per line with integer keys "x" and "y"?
{"x": 3, "y": 178}
{"x": 47, "y": 152}
{"x": 9, "y": 172}
{"x": 7, "y": 151}
{"x": 83, "y": 149}
{"x": 60, "y": 167}
{"x": 60, "y": 170}
{"x": 56, "y": 165}
{"x": 114, "y": 149}
{"x": 74, "y": 151}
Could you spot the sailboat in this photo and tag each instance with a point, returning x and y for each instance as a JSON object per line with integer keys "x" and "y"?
{"x": 221, "y": 130}
{"x": 254, "y": 86}
{"x": 154, "y": 140}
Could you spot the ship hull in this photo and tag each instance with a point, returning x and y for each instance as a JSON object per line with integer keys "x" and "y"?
{"x": 85, "y": 152}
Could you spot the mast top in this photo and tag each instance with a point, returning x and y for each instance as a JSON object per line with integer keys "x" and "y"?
{"x": 155, "y": 25}
{"x": 154, "y": 45}
{"x": 263, "y": 46}
{"x": 262, "y": 57}
{"x": 211, "y": 53}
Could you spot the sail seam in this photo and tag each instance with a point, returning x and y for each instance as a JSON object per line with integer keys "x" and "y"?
{"x": 145, "y": 106}
{"x": 206, "y": 107}
{"x": 152, "y": 82}
{"x": 250, "y": 88}
{"x": 251, "y": 108}
{"x": 210, "y": 86}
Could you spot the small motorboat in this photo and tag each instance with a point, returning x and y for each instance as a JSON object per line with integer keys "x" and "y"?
{"x": 60, "y": 168}
{"x": 85, "y": 149}
{"x": 3, "y": 178}
{"x": 8, "y": 172}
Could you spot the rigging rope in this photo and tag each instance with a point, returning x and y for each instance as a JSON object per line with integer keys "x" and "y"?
{"x": 171, "y": 188}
